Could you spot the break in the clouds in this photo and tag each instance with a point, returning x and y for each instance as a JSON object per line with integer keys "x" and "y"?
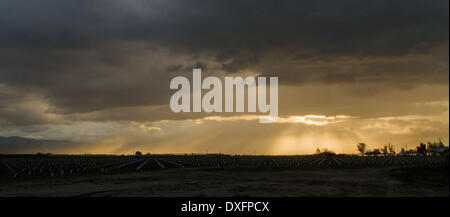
{"x": 72, "y": 65}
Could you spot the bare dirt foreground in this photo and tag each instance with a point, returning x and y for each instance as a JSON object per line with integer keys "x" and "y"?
{"x": 243, "y": 182}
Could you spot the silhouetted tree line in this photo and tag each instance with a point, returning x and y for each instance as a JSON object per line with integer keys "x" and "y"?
{"x": 431, "y": 148}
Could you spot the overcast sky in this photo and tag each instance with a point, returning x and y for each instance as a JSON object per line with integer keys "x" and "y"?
{"x": 97, "y": 72}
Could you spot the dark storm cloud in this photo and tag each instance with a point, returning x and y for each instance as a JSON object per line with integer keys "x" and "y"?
{"x": 83, "y": 56}
{"x": 327, "y": 27}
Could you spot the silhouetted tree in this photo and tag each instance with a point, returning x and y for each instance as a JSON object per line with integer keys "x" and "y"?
{"x": 422, "y": 149}
{"x": 385, "y": 150}
{"x": 325, "y": 152}
{"x": 318, "y": 151}
{"x": 376, "y": 152}
{"x": 391, "y": 149}
{"x": 361, "y": 147}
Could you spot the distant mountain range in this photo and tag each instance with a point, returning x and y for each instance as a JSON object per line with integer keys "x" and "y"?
{"x": 17, "y": 144}
{"x": 17, "y": 140}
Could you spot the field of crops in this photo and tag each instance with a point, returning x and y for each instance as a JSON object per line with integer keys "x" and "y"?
{"x": 21, "y": 167}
